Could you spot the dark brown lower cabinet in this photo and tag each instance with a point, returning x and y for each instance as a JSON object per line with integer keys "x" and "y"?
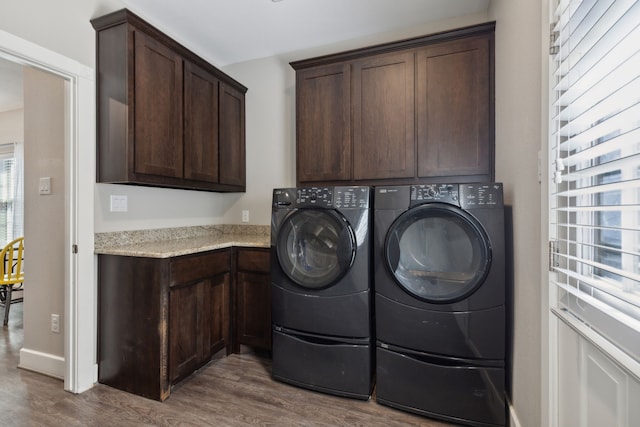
{"x": 159, "y": 319}
{"x": 253, "y": 298}
{"x": 198, "y": 324}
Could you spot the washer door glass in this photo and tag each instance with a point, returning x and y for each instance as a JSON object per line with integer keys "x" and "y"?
{"x": 438, "y": 253}
{"x": 315, "y": 247}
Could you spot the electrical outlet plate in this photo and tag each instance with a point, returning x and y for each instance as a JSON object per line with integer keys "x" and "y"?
{"x": 118, "y": 203}
{"x": 55, "y": 323}
{"x": 245, "y": 216}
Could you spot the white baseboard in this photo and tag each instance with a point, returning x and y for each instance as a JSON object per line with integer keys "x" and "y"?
{"x": 43, "y": 363}
{"x": 513, "y": 418}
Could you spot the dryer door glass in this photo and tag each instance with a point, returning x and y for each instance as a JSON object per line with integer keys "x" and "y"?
{"x": 315, "y": 247}
{"x": 438, "y": 253}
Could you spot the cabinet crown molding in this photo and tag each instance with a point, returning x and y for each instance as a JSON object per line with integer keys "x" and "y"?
{"x": 124, "y": 16}
{"x": 420, "y": 41}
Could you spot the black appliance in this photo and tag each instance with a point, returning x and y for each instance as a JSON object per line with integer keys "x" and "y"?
{"x": 321, "y": 289}
{"x": 440, "y": 301}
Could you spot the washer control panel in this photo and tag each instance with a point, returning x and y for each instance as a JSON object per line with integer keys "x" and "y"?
{"x": 351, "y": 197}
{"x": 431, "y": 193}
{"x": 347, "y": 197}
{"x": 315, "y": 196}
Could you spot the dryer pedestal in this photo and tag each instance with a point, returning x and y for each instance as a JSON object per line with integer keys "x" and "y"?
{"x": 456, "y": 390}
{"x": 341, "y": 367}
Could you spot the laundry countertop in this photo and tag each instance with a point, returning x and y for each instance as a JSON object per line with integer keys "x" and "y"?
{"x": 171, "y": 242}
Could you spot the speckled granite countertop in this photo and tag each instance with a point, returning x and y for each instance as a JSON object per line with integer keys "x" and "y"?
{"x": 170, "y": 242}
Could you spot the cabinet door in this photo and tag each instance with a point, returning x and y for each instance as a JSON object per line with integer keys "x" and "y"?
{"x": 253, "y": 295}
{"x": 232, "y": 137}
{"x": 253, "y": 298}
{"x": 323, "y": 109}
{"x": 133, "y": 340}
{"x": 455, "y": 109}
{"x": 185, "y": 348}
{"x": 200, "y": 124}
{"x": 158, "y": 109}
{"x": 215, "y": 315}
{"x": 384, "y": 117}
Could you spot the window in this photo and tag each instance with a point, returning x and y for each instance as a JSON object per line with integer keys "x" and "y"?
{"x": 6, "y": 198}
{"x": 595, "y": 147}
{"x": 11, "y": 192}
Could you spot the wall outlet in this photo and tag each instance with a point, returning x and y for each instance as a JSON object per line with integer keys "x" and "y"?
{"x": 245, "y": 216}
{"x": 118, "y": 203}
{"x": 55, "y": 323}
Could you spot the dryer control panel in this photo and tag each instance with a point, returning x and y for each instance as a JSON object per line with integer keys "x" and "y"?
{"x": 487, "y": 195}
{"x": 431, "y": 193}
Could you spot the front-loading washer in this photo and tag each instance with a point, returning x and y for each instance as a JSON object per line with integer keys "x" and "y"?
{"x": 321, "y": 289}
{"x": 440, "y": 301}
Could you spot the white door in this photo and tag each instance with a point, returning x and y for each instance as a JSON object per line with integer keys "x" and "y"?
{"x": 594, "y": 213}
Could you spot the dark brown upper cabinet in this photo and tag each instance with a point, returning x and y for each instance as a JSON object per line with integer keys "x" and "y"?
{"x": 383, "y": 117}
{"x": 323, "y": 125}
{"x": 158, "y": 113}
{"x": 414, "y": 111}
{"x": 165, "y": 116}
{"x": 232, "y": 146}
{"x": 201, "y": 140}
{"x": 455, "y": 109}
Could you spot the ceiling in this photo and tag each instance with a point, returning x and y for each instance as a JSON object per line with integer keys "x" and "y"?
{"x": 231, "y": 31}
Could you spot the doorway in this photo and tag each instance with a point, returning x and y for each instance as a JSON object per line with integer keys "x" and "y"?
{"x": 11, "y": 170}
{"x": 76, "y": 362}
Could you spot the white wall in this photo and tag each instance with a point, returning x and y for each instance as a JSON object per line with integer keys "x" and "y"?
{"x": 44, "y": 150}
{"x": 519, "y": 134}
{"x": 270, "y": 133}
{"x": 61, "y": 26}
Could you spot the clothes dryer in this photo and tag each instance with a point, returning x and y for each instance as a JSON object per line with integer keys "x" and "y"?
{"x": 321, "y": 289}
{"x": 440, "y": 301}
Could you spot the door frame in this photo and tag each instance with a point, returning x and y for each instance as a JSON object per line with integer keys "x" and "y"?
{"x": 80, "y": 367}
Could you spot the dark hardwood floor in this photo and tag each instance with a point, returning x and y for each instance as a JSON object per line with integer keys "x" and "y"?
{"x": 230, "y": 391}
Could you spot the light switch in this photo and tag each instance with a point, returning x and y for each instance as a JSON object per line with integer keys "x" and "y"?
{"x": 44, "y": 186}
{"x": 118, "y": 203}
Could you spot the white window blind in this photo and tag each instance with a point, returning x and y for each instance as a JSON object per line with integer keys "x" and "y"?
{"x": 595, "y": 151}
{"x": 11, "y": 192}
{"x": 6, "y": 199}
